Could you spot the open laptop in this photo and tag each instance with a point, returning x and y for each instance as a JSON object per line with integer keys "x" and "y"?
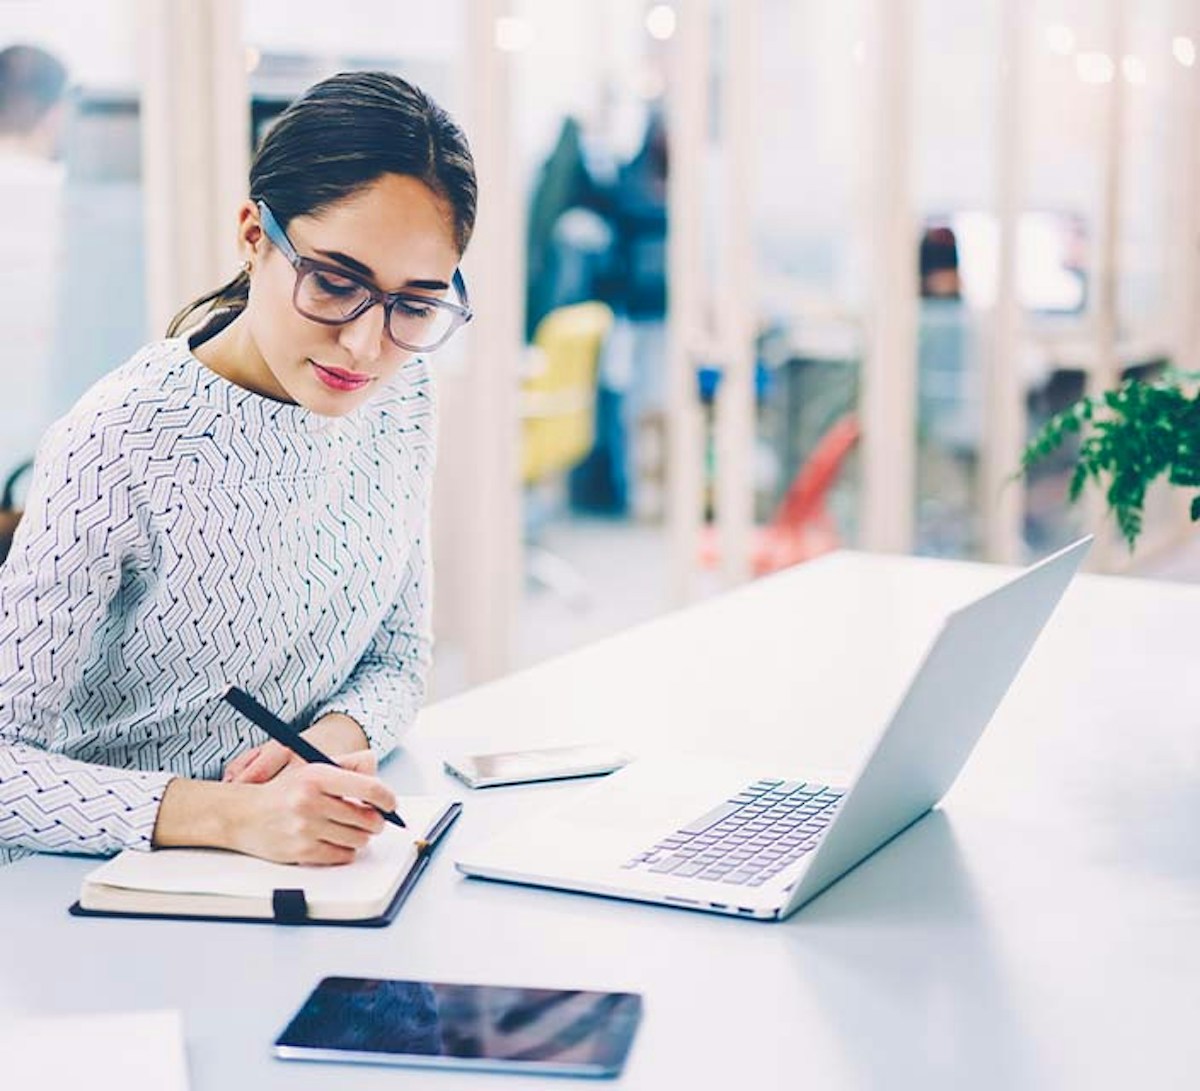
{"x": 704, "y": 834}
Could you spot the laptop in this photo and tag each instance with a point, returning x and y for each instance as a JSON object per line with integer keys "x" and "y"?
{"x": 710, "y": 835}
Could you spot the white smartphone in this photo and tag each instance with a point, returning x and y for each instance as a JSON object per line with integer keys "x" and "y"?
{"x": 529, "y": 766}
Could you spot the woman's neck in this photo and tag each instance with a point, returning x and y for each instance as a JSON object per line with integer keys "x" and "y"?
{"x": 232, "y": 354}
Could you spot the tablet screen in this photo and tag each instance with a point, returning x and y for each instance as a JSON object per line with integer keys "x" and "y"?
{"x": 463, "y": 1026}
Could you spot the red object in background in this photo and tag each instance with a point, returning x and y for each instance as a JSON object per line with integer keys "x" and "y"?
{"x": 801, "y": 527}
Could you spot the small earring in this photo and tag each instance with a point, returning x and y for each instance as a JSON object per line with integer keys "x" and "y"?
{"x": 247, "y": 267}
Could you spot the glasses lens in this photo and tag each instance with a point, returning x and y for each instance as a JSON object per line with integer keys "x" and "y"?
{"x": 420, "y": 323}
{"x": 328, "y": 297}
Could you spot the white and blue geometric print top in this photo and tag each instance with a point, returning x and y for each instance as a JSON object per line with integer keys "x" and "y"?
{"x": 183, "y": 534}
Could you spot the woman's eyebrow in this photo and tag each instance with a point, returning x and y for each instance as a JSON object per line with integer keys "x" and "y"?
{"x": 367, "y": 271}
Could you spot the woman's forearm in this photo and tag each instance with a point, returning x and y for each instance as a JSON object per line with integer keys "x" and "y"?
{"x": 199, "y": 814}
{"x": 336, "y": 733}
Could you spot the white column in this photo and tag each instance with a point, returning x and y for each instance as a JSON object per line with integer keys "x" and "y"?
{"x": 195, "y": 148}
{"x": 1004, "y": 388}
{"x": 688, "y": 105}
{"x": 1183, "y": 244}
{"x": 481, "y": 535}
{"x": 735, "y": 417}
{"x": 1183, "y": 195}
{"x": 889, "y": 369}
{"x": 1105, "y": 372}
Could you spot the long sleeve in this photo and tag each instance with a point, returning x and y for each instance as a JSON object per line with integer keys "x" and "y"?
{"x": 62, "y": 583}
{"x": 386, "y": 688}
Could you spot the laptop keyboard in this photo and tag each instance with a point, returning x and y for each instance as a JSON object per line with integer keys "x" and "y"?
{"x": 750, "y": 838}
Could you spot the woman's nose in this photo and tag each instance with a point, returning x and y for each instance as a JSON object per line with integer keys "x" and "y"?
{"x": 363, "y": 338}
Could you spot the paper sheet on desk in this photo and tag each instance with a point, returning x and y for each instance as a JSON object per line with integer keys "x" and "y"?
{"x": 191, "y": 871}
{"x": 130, "y": 1051}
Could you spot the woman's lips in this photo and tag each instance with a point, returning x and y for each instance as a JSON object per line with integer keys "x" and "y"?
{"x": 337, "y": 379}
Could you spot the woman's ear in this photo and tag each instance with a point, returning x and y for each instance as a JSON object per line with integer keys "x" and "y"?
{"x": 250, "y": 232}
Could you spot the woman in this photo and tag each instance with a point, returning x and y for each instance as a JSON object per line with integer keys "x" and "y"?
{"x": 248, "y": 504}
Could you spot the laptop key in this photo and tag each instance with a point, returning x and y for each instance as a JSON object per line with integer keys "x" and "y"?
{"x": 665, "y": 867}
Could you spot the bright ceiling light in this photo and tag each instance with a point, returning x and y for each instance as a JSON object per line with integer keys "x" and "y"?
{"x": 660, "y": 22}
{"x": 1094, "y": 67}
{"x": 1060, "y": 39}
{"x": 1185, "y": 50}
{"x": 1134, "y": 69}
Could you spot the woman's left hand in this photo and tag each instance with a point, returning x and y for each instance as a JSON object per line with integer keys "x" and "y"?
{"x": 334, "y": 734}
{"x": 260, "y": 763}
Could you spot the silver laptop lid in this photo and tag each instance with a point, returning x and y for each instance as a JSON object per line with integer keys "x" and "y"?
{"x": 953, "y": 695}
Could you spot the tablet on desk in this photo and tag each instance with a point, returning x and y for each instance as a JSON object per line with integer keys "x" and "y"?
{"x": 480, "y": 1027}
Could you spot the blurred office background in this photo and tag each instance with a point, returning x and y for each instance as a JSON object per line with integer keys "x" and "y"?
{"x": 755, "y": 279}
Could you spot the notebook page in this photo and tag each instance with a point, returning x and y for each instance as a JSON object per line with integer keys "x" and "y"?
{"x": 211, "y": 871}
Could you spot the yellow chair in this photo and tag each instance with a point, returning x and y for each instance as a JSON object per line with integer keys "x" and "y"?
{"x": 558, "y": 396}
{"x": 558, "y": 418}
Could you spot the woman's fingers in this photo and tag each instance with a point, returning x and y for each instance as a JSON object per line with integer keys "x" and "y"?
{"x": 325, "y": 854}
{"x": 360, "y": 761}
{"x": 262, "y": 763}
{"x": 270, "y": 760}
{"x": 346, "y": 837}
{"x": 238, "y": 763}
{"x": 350, "y": 785}
{"x": 346, "y": 812}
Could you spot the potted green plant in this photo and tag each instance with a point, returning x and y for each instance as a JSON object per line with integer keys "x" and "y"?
{"x": 1129, "y": 437}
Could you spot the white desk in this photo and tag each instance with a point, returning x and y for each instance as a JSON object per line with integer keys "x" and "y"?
{"x": 1042, "y": 930}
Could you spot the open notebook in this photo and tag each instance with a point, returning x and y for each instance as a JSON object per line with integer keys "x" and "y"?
{"x": 213, "y": 883}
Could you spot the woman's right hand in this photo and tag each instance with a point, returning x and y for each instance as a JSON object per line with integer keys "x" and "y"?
{"x": 308, "y": 814}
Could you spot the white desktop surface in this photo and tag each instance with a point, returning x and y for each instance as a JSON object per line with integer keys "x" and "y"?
{"x": 1040, "y": 930}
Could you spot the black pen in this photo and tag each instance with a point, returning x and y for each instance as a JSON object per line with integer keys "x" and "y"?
{"x": 293, "y": 740}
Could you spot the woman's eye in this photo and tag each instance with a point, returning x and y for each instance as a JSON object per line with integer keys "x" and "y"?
{"x": 336, "y": 285}
{"x": 413, "y": 309}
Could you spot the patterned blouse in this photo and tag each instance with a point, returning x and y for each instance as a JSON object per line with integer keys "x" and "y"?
{"x": 183, "y": 534}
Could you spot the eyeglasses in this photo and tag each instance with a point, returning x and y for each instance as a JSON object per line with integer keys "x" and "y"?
{"x": 334, "y": 297}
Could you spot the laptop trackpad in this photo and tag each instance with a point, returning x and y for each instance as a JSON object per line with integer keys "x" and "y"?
{"x": 647, "y": 800}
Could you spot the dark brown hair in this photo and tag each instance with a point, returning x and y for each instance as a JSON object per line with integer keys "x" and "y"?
{"x": 340, "y": 136}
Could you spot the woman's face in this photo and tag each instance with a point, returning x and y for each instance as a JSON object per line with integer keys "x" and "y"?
{"x": 396, "y": 235}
